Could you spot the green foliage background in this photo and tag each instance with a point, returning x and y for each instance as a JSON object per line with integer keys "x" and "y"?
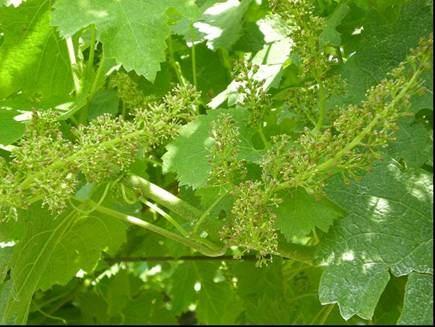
{"x": 358, "y": 253}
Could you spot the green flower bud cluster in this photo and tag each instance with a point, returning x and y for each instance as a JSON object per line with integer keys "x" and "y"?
{"x": 128, "y": 91}
{"x": 226, "y": 168}
{"x": 294, "y": 164}
{"x": 43, "y": 145}
{"x": 351, "y": 144}
{"x": 252, "y": 226}
{"x": 356, "y": 136}
{"x": 255, "y": 98}
{"x": 47, "y": 166}
{"x": 183, "y": 102}
{"x": 8, "y": 197}
{"x": 305, "y": 28}
{"x": 120, "y": 139}
{"x": 163, "y": 119}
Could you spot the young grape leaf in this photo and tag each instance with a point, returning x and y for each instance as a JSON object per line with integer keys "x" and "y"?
{"x": 388, "y": 227}
{"x": 134, "y": 32}
{"x": 117, "y": 292}
{"x": 105, "y": 101}
{"x": 5, "y": 258}
{"x": 330, "y": 35}
{"x": 418, "y": 303}
{"x": 300, "y": 213}
{"x": 187, "y": 155}
{"x": 148, "y": 308}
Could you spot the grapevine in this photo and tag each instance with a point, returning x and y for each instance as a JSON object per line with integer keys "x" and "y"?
{"x": 235, "y": 162}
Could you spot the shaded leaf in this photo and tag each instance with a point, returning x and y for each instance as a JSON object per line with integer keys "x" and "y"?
{"x": 418, "y": 304}
{"x": 388, "y": 227}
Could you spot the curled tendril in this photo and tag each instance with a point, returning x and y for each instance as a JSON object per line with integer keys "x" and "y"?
{"x": 97, "y": 204}
{"x": 125, "y": 197}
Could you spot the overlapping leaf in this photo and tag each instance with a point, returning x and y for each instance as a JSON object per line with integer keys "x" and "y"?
{"x": 388, "y": 227}
{"x": 51, "y": 252}
{"x": 418, "y": 303}
{"x": 133, "y": 32}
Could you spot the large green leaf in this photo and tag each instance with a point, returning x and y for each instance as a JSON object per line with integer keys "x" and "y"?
{"x": 388, "y": 227}
{"x": 51, "y": 252}
{"x": 32, "y": 57}
{"x": 413, "y": 144}
{"x": 384, "y": 43}
{"x": 218, "y": 303}
{"x": 133, "y": 32}
{"x": 418, "y": 303}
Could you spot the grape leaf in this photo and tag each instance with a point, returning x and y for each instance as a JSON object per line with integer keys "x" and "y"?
{"x": 218, "y": 303}
{"x": 182, "y": 291}
{"x": 413, "y": 144}
{"x": 32, "y": 58}
{"x": 5, "y": 257}
{"x": 133, "y": 32}
{"x": 10, "y": 129}
{"x": 221, "y": 23}
{"x": 51, "y": 252}
{"x": 191, "y": 146}
{"x": 388, "y": 227}
{"x": 418, "y": 303}
{"x": 383, "y": 45}
{"x": 105, "y": 101}
{"x": 148, "y": 308}
{"x": 330, "y": 35}
{"x": 300, "y": 213}
{"x": 217, "y": 300}
{"x": 117, "y": 293}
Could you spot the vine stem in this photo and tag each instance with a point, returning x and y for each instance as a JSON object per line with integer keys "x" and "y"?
{"x": 184, "y": 258}
{"x": 91, "y": 49}
{"x": 175, "y": 65}
{"x": 322, "y": 104}
{"x": 97, "y": 78}
{"x": 195, "y": 82}
{"x": 165, "y": 215}
{"x": 161, "y": 231}
{"x": 164, "y": 198}
{"x": 73, "y": 64}
{"x": 206, "y": 213}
